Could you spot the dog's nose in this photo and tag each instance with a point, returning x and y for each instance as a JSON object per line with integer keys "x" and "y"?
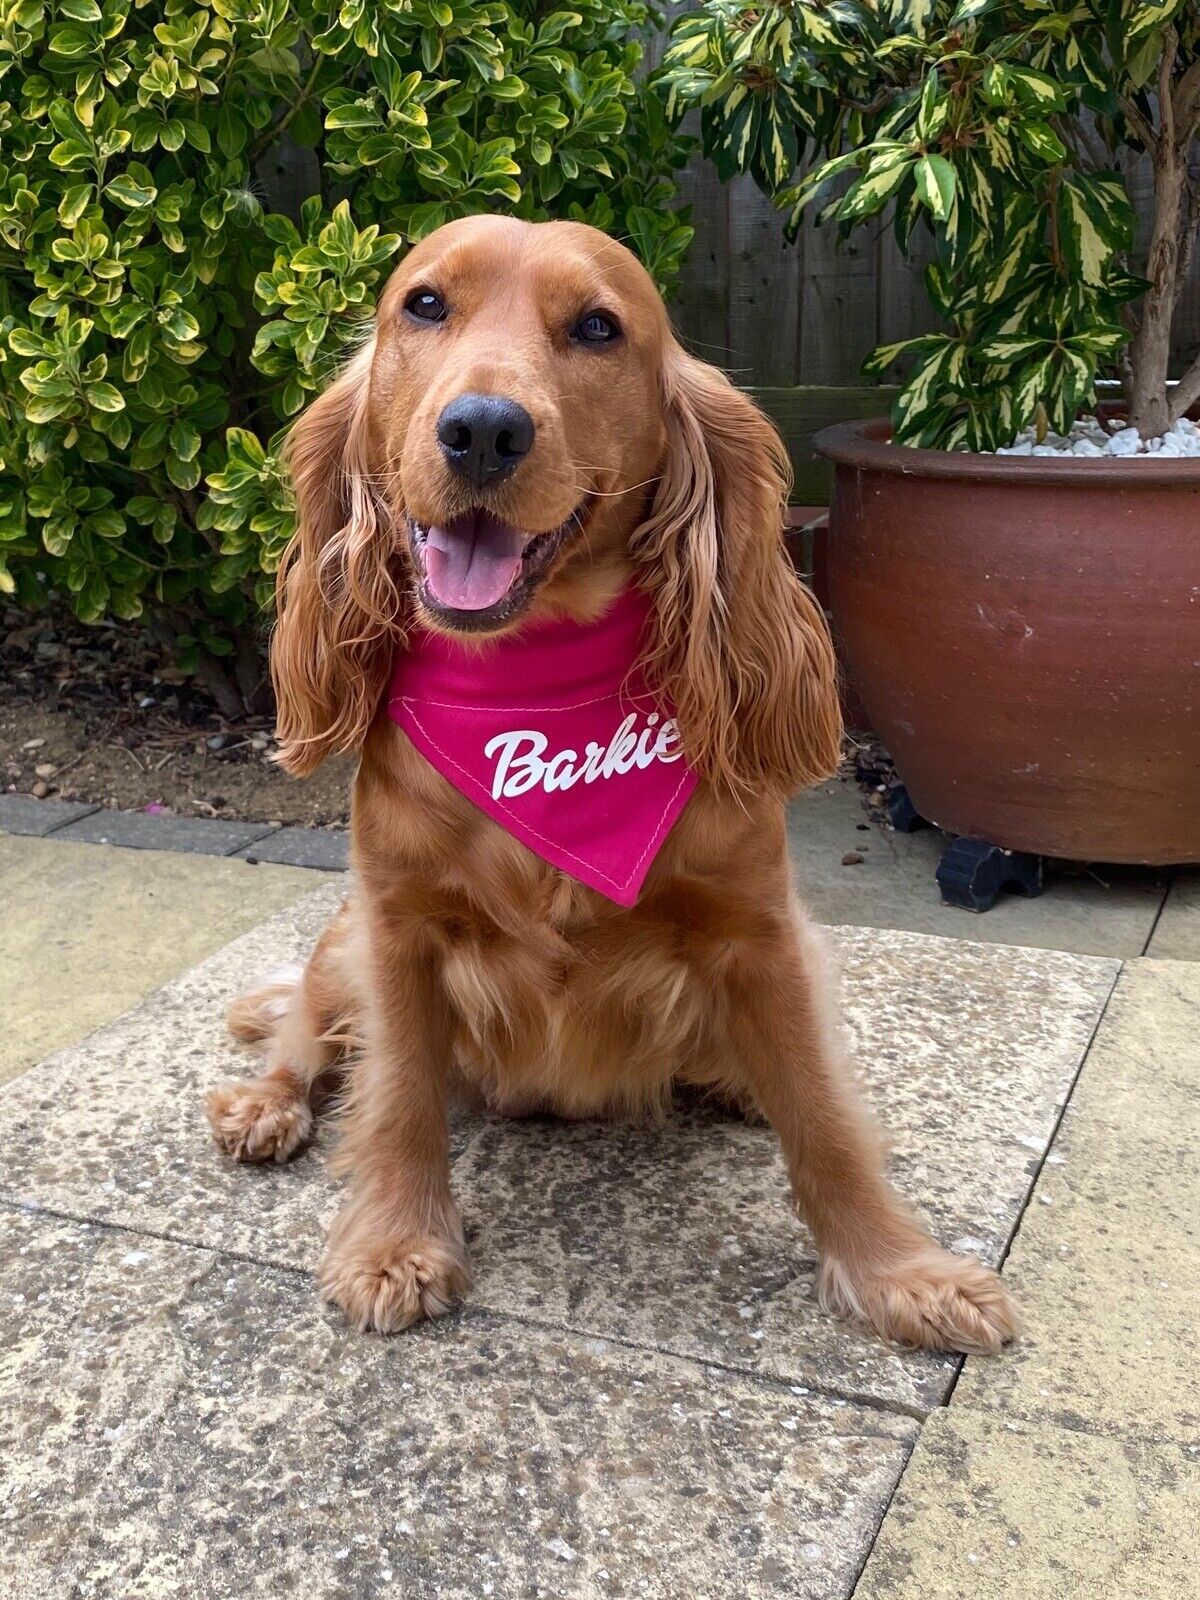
{"x": 484, "y": 436}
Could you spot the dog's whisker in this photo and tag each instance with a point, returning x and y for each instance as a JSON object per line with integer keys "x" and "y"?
{"x": 618, "y": 494}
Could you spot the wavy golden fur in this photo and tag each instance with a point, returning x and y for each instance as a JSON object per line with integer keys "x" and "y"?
{"x": 339, "y": 602}
{"x": 461, "y": 962}
{"x": 743, "y": 651}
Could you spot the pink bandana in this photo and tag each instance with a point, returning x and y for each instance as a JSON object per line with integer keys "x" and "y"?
{"x": 554, "y": 733}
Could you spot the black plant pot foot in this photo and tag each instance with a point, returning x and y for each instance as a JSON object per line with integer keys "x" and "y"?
{"x": 902, "y": 814}
{"x": 972, "y": 873}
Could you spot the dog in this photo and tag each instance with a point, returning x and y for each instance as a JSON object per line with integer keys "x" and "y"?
{"x": 521, "y": 452}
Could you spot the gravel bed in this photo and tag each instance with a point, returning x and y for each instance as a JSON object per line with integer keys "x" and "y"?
{"x": 1092, "y": 437}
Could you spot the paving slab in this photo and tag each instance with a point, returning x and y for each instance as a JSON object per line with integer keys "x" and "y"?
{"x": 327, "y": 849}
{"x": 967, "y": 1053}
{"x": 679, "y": 1237}
{"x": 1110, "y": 911}
{"x": 1177, "y": 931}
{"x": 26, "y": 814}
{"x": 1107, "y": 1261}
{"x": 88, "y": 931}
{"x": 135, "y": 830}
{"x": 995, "y": 1509}
{"x": 195, "y": 1426}
{"x": 141, "y": 1117}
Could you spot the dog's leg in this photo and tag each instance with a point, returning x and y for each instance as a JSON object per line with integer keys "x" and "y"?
{"x": 270, "y": 1118}
{"x": 396, "y": 1251}
{"x": 878, "y": 1263}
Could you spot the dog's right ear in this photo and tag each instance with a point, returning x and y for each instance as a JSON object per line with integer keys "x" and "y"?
{"x": 338, "y": 602}
{"x": 744, "y": 653}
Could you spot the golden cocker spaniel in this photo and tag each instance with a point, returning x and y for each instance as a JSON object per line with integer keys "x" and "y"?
{"x": 521, "y": 444}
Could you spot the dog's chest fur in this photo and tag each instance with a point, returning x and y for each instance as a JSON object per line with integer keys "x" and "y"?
{"x": 561, "y": 1000}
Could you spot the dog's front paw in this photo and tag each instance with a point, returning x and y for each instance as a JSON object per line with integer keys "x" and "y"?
{"x": 388, "y": 1284}
{"x": 267, "y": 1120}
{"x": 931, "y": 1300}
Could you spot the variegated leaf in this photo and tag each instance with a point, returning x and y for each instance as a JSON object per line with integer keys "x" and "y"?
{"x": 935, "y": 185}
{"x": 886, "y": 355}
{"x": 970, "y": 11}
{"x": 1085, "y": 249}
{"x": 912, "y": 15}
{"x": 1037, "y": 89}
{"x": 933, "y": 109}
{"x": 921, "y": 390}
{"x": 1011, "y": 347}
{"x": 1103, "y": 340}
{"x": 1041, "y": 138}
{"x": 872, "y": 191}
{"x": 776, "y": 147}
{"x": 1154, "y": 16}
{"x": 1029, "y": 390}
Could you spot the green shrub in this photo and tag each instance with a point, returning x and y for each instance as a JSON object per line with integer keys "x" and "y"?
{"x": 159, "y": 323}
{"x": 1009, "y": 128}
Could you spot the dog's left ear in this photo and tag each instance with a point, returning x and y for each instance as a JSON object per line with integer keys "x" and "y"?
{"x": 339, "y": 605}
{"x": 743, "y": 650}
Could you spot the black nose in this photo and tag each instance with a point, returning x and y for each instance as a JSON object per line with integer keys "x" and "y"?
{"x": 484, "y": 436}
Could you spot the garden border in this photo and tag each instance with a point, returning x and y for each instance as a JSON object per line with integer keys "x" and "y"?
{"x": 269, "y": 843}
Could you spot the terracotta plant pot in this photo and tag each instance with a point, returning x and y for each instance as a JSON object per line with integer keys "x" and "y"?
{"x": 1024, "y": 633}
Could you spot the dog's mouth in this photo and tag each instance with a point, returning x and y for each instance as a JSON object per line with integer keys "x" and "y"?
{"x": 478, "y": 571}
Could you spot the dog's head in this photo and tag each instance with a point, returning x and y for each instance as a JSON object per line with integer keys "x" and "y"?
{"x": 521, "y": 433}
{"x": 514, "y": 396}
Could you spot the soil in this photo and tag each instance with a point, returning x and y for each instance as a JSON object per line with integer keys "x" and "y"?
{"x": 871, "y": 768}
{"x": 100, "y": 714}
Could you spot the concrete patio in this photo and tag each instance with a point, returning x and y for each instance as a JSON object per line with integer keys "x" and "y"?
{"x": 641, "y": 1397}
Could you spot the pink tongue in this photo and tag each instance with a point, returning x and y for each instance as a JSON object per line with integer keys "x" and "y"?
{"x": 473, "y": 561}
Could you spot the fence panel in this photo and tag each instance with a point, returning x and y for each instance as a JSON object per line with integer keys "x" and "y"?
{"x": 777, "y": 315}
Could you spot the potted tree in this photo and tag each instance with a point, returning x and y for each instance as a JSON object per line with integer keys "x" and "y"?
{"x": 1014, "y": 568}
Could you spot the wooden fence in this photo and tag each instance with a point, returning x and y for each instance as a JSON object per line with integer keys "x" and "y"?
{"x": 780, "y": 315}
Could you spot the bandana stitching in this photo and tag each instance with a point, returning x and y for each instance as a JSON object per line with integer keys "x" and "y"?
{"x": 524, "y": 711}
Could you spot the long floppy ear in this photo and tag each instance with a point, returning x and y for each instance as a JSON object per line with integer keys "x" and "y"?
{"x": 743, "y": 651}
{"x": 337, "y": 599}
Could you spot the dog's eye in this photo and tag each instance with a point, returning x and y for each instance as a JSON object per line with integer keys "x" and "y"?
{"x": 596, "y": 328}
{"x": 425, "y": 306}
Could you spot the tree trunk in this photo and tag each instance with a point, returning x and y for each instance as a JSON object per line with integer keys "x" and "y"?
{"x": 219, "y": 682}
{"x": 250, "y": 668}
{"x": 1149, "y": 410}
{"x": 216, "y": 679}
